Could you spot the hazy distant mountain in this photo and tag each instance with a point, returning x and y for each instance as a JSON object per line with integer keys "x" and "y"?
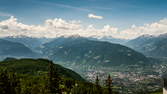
{"x": 31, "y": 42}
{"x": 82, "y": 50}
{"x": 150, "y": 45}
{"x": 8, "y": 48}
{"x": 113, "y": 40}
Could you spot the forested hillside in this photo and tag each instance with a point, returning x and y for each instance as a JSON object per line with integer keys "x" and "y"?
{"x": 40, "y": 76}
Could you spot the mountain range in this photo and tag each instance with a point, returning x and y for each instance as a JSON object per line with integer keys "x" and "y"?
{"x": 9, "y": 48}
{"x": 152, "y": 46}
{"x": 85, "y": 51}
{"x": 103, "y": 51}
{"x": 30, "y": 42}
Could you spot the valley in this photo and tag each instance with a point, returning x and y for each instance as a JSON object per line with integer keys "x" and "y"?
{"x": 130, "y": 79}
{"x": 83, "y": 47}
{"x": 131, "y": 71}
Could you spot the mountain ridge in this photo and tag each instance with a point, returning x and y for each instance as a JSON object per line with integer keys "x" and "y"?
{"x": 154, "y": 46}
{"x": 90, "y": 50}
{"x": 9, "y": 48}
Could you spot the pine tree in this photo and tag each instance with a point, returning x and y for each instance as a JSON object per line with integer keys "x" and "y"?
{"x": 35, "y": 89}
{"x": 98, "y": 87}
{"x": 109, "y": 84}
{"x": 97, "y": 81}
{"x": 54, "y": 80}
{"x": 69, "y": 85}
{"x": 14, "y": 83}
{"x": 5, "y": 87}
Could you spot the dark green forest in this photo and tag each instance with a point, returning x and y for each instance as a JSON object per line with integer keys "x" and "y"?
{"x": 41, "y": 76}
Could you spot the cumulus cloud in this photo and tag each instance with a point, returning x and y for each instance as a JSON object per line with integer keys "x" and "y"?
{"x": 51, "y": 28}
{"x": 154, "y": 29}
{"x": 93, "y": 16}
{"x": 57, "y": 27}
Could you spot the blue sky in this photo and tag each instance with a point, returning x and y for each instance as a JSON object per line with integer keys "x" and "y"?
{"x": 118, "y": 13}
{"x": 126, "y": 19}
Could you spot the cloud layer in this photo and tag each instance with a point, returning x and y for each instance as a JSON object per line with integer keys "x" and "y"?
{"x": 93, "y": 16}
{"x": 57, "y": 27}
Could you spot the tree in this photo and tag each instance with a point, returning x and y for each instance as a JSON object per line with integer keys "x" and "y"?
{"x": 69, "y": 85}
{"x": 97, "y": 81}
{"x": 98, "y": 87}
{"x": 5, "y": 87}
{"x": 54, "y": 80}
{"x": 14, "y": 83}
{"x": 35, "y": 89}
{"x": 109, "y": 84}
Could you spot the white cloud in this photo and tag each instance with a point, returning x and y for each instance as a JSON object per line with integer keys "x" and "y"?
{"x": 93, "y": 16}
{"x": 50, "y": 29}
{"x": 62, "y": 24}
{"x": 154, "y": 29}
{"x": 57, "y": 27}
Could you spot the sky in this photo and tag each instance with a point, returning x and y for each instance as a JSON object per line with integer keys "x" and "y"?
{"x": 91, "y": 18}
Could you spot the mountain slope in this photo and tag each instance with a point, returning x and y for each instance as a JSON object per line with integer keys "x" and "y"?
{"x": 30, "y": 42}
{"x": 82, "y": 50}
{"x": 9, "y": 48}
{"x": 150, "y": 45}
{"x": 113, "y": 40}
{"x": 36, "y": 66}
